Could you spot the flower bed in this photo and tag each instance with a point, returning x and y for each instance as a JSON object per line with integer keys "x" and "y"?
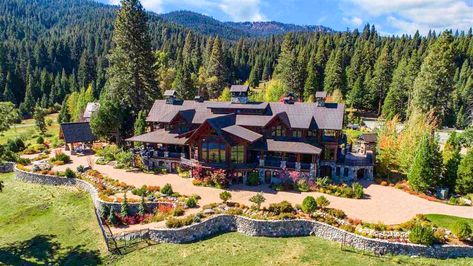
{"x": 293, "y": 180}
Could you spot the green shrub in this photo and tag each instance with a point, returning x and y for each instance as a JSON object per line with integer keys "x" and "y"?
{"x": 172, "y": 222}
{"x": 253, "y": 179}
{"x": 421, "y": 235}
{"x": 167, "y": 189}
{"x": 191, "y": 202}
{"x": 281, "y": 207}
{"x": 358, "y": 190}
{"x": 225, "y": 196}
{"x": 80, "y": 169}
{"x": 309, "y": 205}
{"x": 178, "y": 211}
{"x": 69, "y": 173}
{"x": 61, "y": 157}
{"x": 15, "y": 145}
{"x": 337, "y": 213}
{"x": 461, "y": 229}
{"x": 40, "y": 140}
{"x": 322, "y": 202}
{"x": 124, "y": 159}
{"x": 302, "y": 185}
{"x": 142, "y": 191}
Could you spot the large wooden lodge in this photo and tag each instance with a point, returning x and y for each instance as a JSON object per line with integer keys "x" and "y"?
{"x": 241, "y": 136}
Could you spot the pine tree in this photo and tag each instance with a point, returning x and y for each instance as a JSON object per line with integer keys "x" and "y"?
{"x": 334, "y": 73}
{"x": 140, "y": 123}
{"x": 396, "y": 100}
{"x": 451, "y": 169}
{"x": 132, "y": 80}
{"x": 379, "y": 83}
{"x": 464, "y": 182}
{"x": 426, "y": 169}
{"x": 183, "y": 82}
{"x": 38, "y": 116}
{"x": 434, "y": 83}
{"x": 216, "y": 69}
{"x": 288, "y": 68}
{"x": 142, "y": 207}
{"x": 124, "y": 209}
{"x": 255, "y": 74}
{"x": 356, "y": 96}
{"x": 64, "y": 115}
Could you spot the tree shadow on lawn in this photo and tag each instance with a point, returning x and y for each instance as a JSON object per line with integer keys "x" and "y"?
{"x": 46, "y": 250}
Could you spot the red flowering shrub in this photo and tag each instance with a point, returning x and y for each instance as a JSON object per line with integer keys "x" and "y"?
{"x": 164, "y": 208}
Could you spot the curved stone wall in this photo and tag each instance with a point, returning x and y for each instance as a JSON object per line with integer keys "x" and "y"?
{"x": 273, "y": 228}
{"x": 80, "y": 184}
{"x": 288, "y": 228}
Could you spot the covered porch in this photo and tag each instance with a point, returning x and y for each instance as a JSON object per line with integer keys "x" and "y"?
{"x": 299, "y": 156}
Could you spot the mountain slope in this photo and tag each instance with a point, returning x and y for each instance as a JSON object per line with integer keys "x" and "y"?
{"x": 235, "y": 30}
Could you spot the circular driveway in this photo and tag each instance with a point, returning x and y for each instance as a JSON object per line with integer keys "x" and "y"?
{"x": 383, "y": 204}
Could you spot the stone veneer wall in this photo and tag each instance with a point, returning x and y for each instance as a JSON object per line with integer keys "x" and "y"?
{"x": 7, "y": 167}
{"x": 277, "y": 228}
{"x": 288, "y": 228}
{"x": 80, "y": 184}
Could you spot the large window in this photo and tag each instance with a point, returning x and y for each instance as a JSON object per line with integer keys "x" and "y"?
{"x": 213, "y": 151}
{"x": 238, "y": 154}
{"x": 277, "y": 131}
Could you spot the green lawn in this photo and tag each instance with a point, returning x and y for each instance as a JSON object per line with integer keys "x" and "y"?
{"x": 446, "y": 220}
{"x": 27, "y": 130}
{"x": 56, "y": 225}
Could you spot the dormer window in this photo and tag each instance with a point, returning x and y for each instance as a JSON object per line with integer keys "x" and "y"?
{"x": 297, "y": 133}
{"x": 277, "y": 131}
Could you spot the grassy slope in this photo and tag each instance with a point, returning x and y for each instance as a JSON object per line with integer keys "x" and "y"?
{"x": 37, "y": 221}
{"x": 44, "y": 220}
{"x": 27, "y": 129}
{"x": 446, "y": 220}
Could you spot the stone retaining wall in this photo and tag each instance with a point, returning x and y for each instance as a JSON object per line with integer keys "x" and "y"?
{"x": 278, "y": 228}
{"x": 83, "y": 185}
{"x": 6, "y": 167}
{"x": 288, "y": 228}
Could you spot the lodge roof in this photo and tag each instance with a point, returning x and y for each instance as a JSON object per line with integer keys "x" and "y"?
{"x": 159, "y": 136}
{"x": 300, "y": 115}
{"x": 77, "y": 132}
{"x": 239, "y": 88}
{"x": 243, "y": 133}
{"x": 289, "y": 146}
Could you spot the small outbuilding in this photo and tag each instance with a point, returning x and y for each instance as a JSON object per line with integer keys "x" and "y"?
{"x": 76, "y": 133}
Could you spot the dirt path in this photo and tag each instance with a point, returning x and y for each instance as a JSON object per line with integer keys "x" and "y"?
{"x": 384, "y": 204}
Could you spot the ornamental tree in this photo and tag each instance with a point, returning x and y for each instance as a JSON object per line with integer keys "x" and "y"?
{"x": 258, "y": 199}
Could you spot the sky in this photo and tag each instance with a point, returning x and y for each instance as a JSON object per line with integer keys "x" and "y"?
{"x": 389, "y": 16}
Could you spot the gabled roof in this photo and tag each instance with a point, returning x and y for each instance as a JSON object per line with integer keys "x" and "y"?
{"x": 77, "y": 132}
{"x": 159, "y": 136}
{"x": 243, "y": 133}
{"x": 239, "y": 88}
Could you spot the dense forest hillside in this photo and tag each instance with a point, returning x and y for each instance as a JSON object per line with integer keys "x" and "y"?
{"x": 235, "y": 30}
{"x": 50, "y": 49}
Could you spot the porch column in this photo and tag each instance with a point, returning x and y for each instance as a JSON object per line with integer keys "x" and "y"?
{"x": 298, "y": 161}
{"x": 261, "y": 159}
{"x": 283, "y": 160}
